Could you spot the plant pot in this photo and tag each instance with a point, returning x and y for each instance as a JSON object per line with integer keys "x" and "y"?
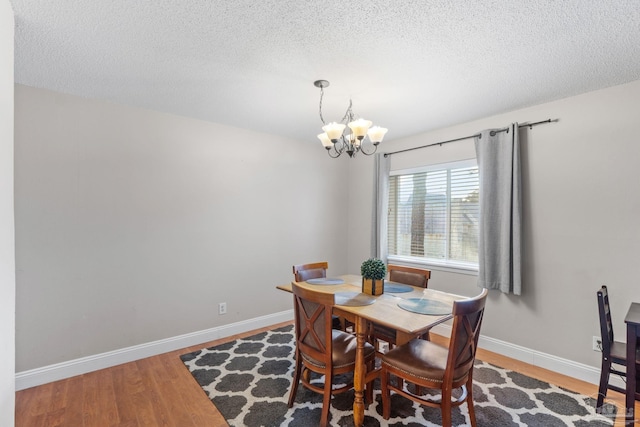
{"x": 372, "y": 286}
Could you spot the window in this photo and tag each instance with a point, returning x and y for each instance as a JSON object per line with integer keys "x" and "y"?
{"x": 433, "y": 215}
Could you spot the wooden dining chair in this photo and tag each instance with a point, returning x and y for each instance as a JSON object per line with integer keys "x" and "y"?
{"x": 614, "y": 353}
{"x": 317, "y": 270}
{"x": 417, "y": 277}
{"x": 322, "y": 349}
{"x": 429, "y": 365}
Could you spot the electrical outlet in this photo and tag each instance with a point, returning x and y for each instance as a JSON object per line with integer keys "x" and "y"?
{"x": 597, "y": 343}
{"x": 222, "y": 308}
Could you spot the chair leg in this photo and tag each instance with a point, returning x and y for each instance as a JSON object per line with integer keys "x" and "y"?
{"x": 604, "y": 383}
{"x": 295, "y": 382}
{"x": 386, "y": 394}
{"x": 368, "y": 396}
{"x": 445, "y": 408}
{"x": 326, "y": 399}
{"x": 470, "y": 407}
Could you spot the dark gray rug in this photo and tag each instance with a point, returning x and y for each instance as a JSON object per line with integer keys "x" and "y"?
{"x": 248, "y": 381}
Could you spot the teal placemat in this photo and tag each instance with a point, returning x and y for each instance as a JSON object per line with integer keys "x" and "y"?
{"x": 396, "y": 288}
{"x": 426, "y": 306}
{"x": 325, "y": 281}
{"x": 353, "y": 298}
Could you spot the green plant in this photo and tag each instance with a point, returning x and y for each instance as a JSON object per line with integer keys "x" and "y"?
{"x": 374, "y": 269}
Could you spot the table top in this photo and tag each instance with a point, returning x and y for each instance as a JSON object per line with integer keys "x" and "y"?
{"x": 385, "y": 310}
{"x": 633, "y": 315}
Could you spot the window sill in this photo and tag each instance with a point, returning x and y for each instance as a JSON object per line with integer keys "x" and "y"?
{"x": 451, "y": 267}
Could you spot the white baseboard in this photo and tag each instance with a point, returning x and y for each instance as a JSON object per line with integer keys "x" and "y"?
{"x": 71, "y": 368}
{"x": 553, "y": 363}
{"x": 83, "y": 365}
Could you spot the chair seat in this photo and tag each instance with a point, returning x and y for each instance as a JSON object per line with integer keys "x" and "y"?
{"x": 344, "y": 350}
{"x": 619, "y": 352}
{"x": 419, "y": 358}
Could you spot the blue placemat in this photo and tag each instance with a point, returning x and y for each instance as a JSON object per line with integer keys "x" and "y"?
{"x": 325, "y": 281}
{"x": 396, "y": 288}
{"x": 426, "y": 306}
{"x": 353, "y": 298}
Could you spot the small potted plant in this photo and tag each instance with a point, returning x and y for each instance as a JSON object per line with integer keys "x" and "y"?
{"x": 373, "y": 272}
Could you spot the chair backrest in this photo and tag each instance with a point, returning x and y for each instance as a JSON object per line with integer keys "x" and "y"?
{"x": 315, "y": 270}
{"x": 467, "y": 319}
{"x": 313, "y": 323}
{"x": 409, "y": 276}
{"x": 606, "y": 325}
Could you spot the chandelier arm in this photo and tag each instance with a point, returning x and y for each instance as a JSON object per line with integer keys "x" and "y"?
{"x": 363, "y": 151}
{"x": 334, "y": 156}
{"x": 348, "y": 115}
{"x": 335, "y": 150}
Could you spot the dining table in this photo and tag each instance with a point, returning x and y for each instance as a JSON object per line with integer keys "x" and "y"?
{"x": 632, "y": 319}
{"x": 408, "y": 310}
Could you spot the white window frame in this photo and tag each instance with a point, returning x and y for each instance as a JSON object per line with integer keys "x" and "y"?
{"x": 452, "y": 266}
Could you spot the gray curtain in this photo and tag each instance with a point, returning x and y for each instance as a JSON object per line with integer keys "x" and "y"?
{"x": 382, "y": 166}
{"x": 500, "y": 234}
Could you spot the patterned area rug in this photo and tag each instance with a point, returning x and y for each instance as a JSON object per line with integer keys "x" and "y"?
{"x": 248, "y": 381}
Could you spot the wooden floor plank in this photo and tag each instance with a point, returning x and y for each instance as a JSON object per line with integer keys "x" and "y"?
{"x": 24, "y": 401}
{"x": 107, "y": 408}
{"x": 126, "y": 382}
{"x": 74, "y": 397}
{"x": 89, "y": 398}
{"x": 160, "y": 411}
{"x": 160, "y": 391}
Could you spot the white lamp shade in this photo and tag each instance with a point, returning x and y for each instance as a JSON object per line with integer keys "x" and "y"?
{"x": 376, "y": 134}
{"x": 326, "y": 142}
{"x": 334, "y": 130}
{"x": 359, "y": 127}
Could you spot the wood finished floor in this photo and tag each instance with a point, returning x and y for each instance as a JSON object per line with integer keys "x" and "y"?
{"x": 159, "y": 391}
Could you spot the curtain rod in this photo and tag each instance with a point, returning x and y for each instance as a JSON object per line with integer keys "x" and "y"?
{"x": 477, "y": 135}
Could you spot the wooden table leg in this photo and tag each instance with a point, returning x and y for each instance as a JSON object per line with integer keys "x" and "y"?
{"x": 360, "y": 373}
{"x": 632, "y": 339}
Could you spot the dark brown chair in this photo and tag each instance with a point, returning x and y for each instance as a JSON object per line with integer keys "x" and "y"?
{"x": 317, "y": 270}
{"x": 408, "y": 276}
{"x": 432, "y": 366}
{"x": 321, "y": 349}
{"x": 613, "y": 352}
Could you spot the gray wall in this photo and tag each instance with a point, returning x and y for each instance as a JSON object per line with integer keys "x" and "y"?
{"x": 581, "y": 218}
{"x": 132, "y": 225}
{"x": 7, "y": 252}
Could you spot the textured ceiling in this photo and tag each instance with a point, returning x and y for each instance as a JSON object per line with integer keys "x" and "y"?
{"x": 409, "y": 65}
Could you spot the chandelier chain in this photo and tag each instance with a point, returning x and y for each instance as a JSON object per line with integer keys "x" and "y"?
{"x": 348, "y": 115}
{"x": 321, "y": 96}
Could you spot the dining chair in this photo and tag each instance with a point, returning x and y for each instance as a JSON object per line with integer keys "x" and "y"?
{"x": 614, "y": 353}
{"x": 317, "y": 270}
{"x": 431, "y": 366}
{"x": 417, "y": 277}
{"x": 322, "y": 349}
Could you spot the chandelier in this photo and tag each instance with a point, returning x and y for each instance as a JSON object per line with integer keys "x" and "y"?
{"x": 334, "y": 138}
